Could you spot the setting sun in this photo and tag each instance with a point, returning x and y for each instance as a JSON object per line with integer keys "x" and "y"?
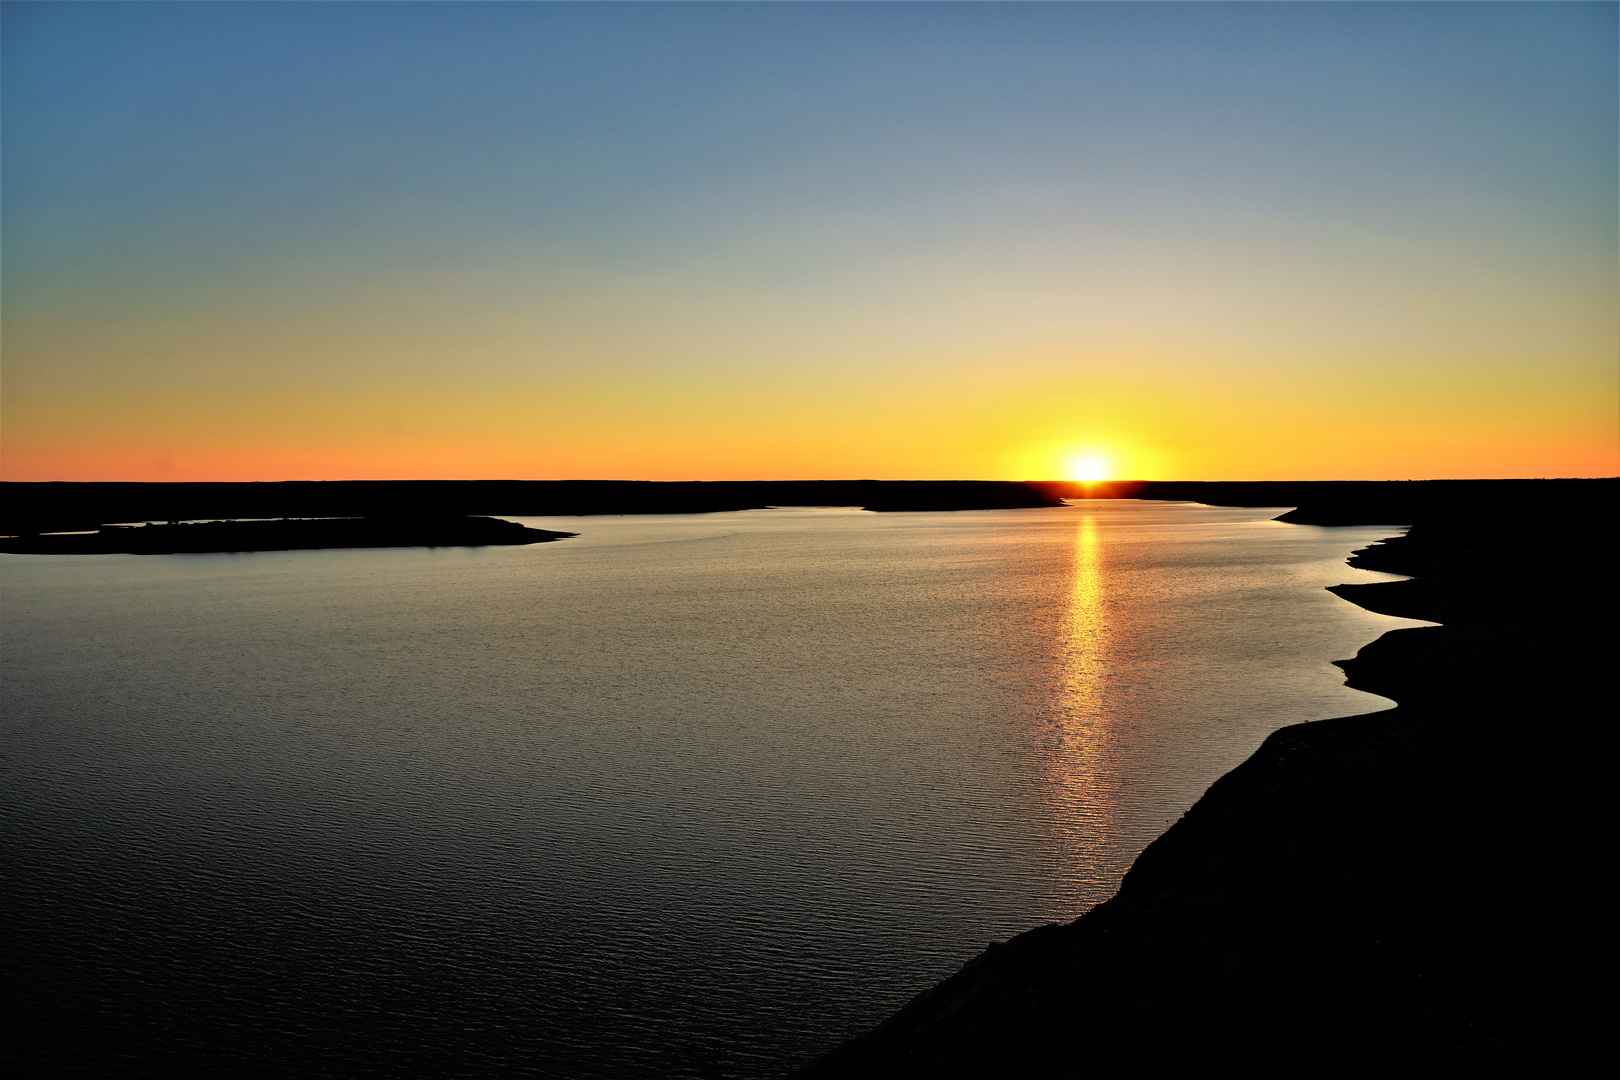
{"x": 1089, "y": 468}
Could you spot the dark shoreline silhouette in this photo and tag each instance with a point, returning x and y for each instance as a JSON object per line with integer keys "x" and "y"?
{"x": 1408, "y": 892}
{"x": 32, "y": 508}
{"x": 420, "y": 513}
{"x": 286, "y": 534}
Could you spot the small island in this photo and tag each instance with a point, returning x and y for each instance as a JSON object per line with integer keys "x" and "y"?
{"x": 284, "y": 534}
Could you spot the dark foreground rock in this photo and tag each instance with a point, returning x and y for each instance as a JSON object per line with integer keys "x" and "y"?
{"x": 1410, "y": 892}
{"x": 193, "y": 538}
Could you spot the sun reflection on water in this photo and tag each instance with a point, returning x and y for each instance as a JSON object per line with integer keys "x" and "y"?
{"x": 1087, "y": 784}
{"x": 1086, "y": 632}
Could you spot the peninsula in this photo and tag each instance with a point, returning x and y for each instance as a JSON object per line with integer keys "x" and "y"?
{"x": 286, "y": 534}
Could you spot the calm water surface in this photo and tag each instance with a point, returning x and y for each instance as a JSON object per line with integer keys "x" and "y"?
{"x": 682, "y": 796}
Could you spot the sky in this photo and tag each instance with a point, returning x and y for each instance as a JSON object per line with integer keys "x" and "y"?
{"x": 768, "y": 241}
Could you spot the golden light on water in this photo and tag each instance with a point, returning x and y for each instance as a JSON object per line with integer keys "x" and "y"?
{"x": 1086, "y": 781}
{"x": 1087, "y": 633}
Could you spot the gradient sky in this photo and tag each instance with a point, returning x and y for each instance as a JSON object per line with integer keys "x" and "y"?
{"x": 1213, "y": 241}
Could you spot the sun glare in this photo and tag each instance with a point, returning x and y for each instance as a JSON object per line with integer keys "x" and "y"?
{"x": 1089, "y": 468}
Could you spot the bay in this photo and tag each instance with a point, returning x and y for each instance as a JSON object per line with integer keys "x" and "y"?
{"x": 686, "y": 796}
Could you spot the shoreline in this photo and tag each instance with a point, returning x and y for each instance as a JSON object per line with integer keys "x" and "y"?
{"x": 52, "y": 518}
{"x": 1409, "y": 891}
{"x": 33, "y": 508}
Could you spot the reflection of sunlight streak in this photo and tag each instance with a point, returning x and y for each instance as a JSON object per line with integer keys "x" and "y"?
{"x": 1088, "y": 789}
{"x": 1086, "y": 634}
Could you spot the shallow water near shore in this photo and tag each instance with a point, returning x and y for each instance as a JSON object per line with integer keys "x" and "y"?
{"x": 697, "y": 795}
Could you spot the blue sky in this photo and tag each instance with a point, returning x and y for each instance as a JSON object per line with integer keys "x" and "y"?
{"x": 930, "y": 221}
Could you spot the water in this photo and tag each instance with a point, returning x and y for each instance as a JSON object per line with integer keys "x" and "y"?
{"x": 691, "y": 796}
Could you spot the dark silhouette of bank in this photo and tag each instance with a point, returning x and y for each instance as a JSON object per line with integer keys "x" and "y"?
{"x": 1409, "y": 892}
{"x": 33, "y": 508}
{"x": 288, "y": 534}
{"x": 30, "y": 508}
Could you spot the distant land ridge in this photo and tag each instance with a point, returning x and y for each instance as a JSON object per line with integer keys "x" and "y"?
{"x": 1337, "y": 502}
{"x": 29, "y": 508}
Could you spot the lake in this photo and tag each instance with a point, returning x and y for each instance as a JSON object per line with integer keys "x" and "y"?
{"x": 688, "y": 796}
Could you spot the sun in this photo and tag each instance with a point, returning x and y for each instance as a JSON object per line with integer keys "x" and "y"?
{"x": 1089, "y": 468}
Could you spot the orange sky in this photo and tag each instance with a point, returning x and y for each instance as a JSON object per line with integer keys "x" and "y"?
{"x": 1223, "y": 243}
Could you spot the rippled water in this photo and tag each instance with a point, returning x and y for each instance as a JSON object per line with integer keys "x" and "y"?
{"x": 682, "y": 796}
